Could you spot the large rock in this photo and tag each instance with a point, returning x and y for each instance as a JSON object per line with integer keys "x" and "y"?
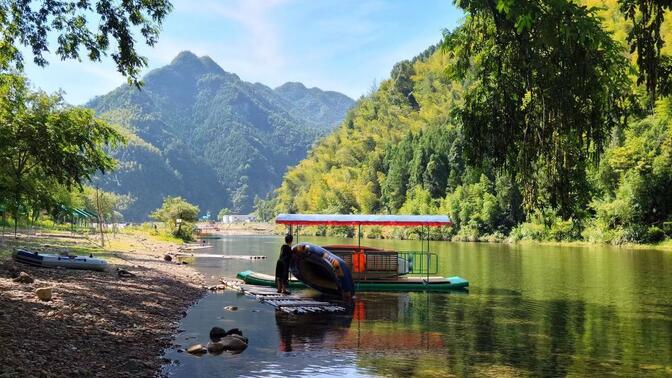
{"x": 167, "y": 257}
{"x": 44, "y": 293}
{"x": 241, "y": 337}
{"x": 233, "y": 343}
{"x": 24, "y": 278}
{"x": 233, "y": 331}
{"x": 216, "y": 333}
{"x": 215, "y": 347}
{"x": 197, "y": 349}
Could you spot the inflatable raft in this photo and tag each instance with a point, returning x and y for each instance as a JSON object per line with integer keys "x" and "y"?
{"x": 52, "y": 261}
{"x": 321, "y": 270}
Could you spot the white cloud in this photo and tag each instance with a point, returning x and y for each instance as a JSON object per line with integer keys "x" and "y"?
{"x": 262, "y": 38}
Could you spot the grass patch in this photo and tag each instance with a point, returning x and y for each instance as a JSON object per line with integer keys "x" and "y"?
{"x": 148, "y": 230}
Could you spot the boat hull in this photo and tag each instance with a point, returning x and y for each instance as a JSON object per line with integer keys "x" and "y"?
{"x": 403, "y": 284}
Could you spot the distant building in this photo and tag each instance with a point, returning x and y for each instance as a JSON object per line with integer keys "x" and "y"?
{"x": 239, "y": 218}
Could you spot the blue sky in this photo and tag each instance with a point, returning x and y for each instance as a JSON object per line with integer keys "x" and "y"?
{"x": 342, "y": 45}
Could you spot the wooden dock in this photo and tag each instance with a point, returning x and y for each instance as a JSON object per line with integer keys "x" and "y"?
{"x": 289, "y": 303}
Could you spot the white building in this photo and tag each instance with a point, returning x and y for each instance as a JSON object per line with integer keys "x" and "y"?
{"x": 239, "y": 218}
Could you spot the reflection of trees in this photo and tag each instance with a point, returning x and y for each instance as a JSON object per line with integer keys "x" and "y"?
{"x": 495, "y": 333}
{"x": 507, "y": 334}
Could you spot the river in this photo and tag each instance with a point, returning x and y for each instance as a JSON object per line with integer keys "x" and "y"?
{"x": 530, "y": 310}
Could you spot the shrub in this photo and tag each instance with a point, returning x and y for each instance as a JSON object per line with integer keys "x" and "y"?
{"x": 654, "y": 235}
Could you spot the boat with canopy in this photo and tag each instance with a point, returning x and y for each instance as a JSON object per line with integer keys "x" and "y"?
{"x": 375, "y": 269}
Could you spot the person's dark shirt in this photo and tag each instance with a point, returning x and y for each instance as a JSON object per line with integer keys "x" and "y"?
{"x": 285, "y": 254}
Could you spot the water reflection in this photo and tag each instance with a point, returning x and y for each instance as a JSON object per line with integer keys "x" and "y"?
{"x": 556, "y": 312}
{"x": 303, "y": 332}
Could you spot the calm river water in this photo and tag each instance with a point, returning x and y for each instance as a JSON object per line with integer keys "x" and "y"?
{"x": 531, "y": 310}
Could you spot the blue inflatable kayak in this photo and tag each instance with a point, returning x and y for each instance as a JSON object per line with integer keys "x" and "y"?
{"x": 321, "y": 270}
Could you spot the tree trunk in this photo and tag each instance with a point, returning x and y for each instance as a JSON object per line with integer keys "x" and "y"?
{"x": 100, "y": 219}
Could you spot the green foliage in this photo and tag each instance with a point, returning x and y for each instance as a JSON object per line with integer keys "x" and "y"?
{"x": 264, "y": 209}
{"x": 36, "y": 24}
{"x": 223, "y": 212}
{"x": 646, "y": 18}
{"x": 545, "y": 87}
{"x": 46, "y": 145}
{"x": 636, "y": 180}
{"x": 178, "y": 215}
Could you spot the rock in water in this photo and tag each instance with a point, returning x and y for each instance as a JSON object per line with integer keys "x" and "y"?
{"x": 216, "y": 333}
{"x": 241, "y": 337}
{"x": 24, "y": 278}
{"x": 197, "y": 349}
{"x": 233, "y": 343}
{"x": 44, "y": 293}
{"x": 215, "y": 347}
{"x": 231, "y": 308}
{"x": 234, "y": 331}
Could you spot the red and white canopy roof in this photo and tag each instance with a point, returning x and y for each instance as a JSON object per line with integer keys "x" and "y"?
{"x": 363, "y": 220}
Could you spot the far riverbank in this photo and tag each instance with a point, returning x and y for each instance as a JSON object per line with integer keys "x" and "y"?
{"x": 260, "y": 228}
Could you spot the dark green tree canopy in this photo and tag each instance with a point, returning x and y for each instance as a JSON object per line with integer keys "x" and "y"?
{"x": 31, "y": 23}
{"x": 545, "y": 84}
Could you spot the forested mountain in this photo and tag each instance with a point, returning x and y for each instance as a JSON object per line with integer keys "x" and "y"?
{"x": 202, "y": 133}
{"x": 325, "y": 109}
{"x": 403, "y": 149}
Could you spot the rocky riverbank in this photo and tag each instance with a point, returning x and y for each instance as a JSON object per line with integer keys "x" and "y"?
{"x": 96, "y": 323}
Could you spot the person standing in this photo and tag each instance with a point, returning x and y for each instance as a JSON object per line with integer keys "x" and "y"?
{"x": 282, "y": 266}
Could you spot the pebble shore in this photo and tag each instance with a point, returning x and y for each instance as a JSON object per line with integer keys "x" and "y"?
{"x": 97, "y": 324}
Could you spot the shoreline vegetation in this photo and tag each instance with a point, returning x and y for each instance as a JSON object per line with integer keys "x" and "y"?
{"x": 373, "y": 233}
{"x": 105, "y": 322}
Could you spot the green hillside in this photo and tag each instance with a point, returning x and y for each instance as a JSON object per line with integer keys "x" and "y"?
{"x": 210, "y": 137}
{"x": 402, "y": 150}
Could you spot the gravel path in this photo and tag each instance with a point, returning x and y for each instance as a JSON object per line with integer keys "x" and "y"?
{"x": 97, "y": 323}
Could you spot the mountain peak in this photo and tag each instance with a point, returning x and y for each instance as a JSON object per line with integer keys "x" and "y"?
{"x": 185, "y": 57}
{"x": 291, "y": 85}
{"x": 187, "y": 61}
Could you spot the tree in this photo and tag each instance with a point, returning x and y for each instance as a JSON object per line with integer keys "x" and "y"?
{"x": 223, "y": 212}
{"x": 264, "y": 209}
{"x": 44, "y": 142}
{"x": 646, "y": 17}
{"x": 546, "y": 85}
{"x": 239, "y": 196}
{"x": 175, "y": 208}
{"x": 34, "y": 23}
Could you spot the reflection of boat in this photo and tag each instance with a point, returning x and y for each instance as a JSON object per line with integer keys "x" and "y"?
{"x": 321, "y": 270}
{"x": 362, "y": 329}
{"x": 375, "y": 269}
{"x": 53, "y": 261}
{"x": 306, "y": 329}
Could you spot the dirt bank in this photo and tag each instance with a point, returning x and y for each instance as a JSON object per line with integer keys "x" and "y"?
{"x": 98, "y": 323}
